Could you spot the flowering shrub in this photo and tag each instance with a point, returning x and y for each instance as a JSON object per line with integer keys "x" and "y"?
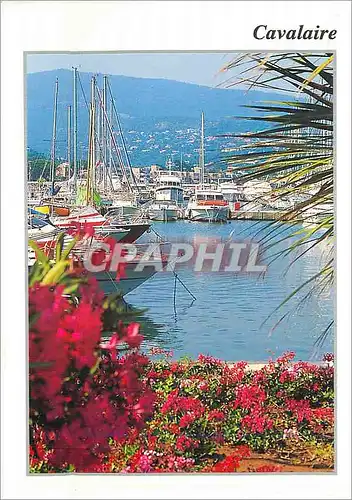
{"x": 83, "y": 397}
{"x": 204, "y": 404}
{"x": 93, "y": 409}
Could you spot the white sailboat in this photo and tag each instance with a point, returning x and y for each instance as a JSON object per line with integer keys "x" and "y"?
{"x": 207, "y": 204}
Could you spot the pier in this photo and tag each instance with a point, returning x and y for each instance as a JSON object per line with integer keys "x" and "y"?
{"x": 261, "y": 215}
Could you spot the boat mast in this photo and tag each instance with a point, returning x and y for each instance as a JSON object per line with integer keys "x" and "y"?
{"x": 75, "y": 128}
{"x": 53, "y": 144}
{"x": 124, "y": 147}
{"x": 104, "y": 134}
{"x": 69, "y": 140}
{"x": 201, "y": 152}
{"x": 113, "y": 140}
{"x": 91, "y": 147}
{"x": 110, "y": 142}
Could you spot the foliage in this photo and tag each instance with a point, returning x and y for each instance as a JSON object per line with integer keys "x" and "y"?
{"x": 102, "y": 406}
{"x": 204, "y": 404}
{"x": 83, "y": 397}
{"x": 199, "y": 406}
{"x": 295, "y": 153}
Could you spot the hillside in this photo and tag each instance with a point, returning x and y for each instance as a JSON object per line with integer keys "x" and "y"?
{"x": 153, "y": 107}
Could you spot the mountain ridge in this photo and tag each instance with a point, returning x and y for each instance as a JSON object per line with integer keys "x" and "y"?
{"x": 147, "y": 105}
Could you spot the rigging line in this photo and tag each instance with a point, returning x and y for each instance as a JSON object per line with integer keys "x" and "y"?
{"x": 44, "y": 168}
{"x": 184, "y": 286}
{"x": 175, "y": 289}
{"x": 117, "y": 149}
{"x": 99, "y": 144}
{"x": 162, "y": 240}
{"x": 158, "y": 235}
{"x": 87, "y": 106}
{"x": 110, "y": 130}
{"x": 122, "y": 136}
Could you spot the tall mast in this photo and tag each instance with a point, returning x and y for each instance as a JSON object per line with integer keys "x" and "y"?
{"x": 104, "y": 133}
{"x": 181, "y": 163}
{"x": 75, "y": 127}
{"x": 53, "y": 144}
{"x": 201, "y": 152}
{"x": 91, "y": 157}
{"x": 69, "y": 140}
{"x": 110, "y": 135}
{"x": 98, "y": 119}
{"x": 113, "y": 140}
{"x": 124, "y": 147}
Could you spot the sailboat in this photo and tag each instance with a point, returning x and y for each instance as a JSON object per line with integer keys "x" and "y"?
{"x": 207, "y": 204}
{"x": 51, "y": 207}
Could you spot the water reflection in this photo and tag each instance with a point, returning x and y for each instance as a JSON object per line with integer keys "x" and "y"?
{"x": 229, "y": 319}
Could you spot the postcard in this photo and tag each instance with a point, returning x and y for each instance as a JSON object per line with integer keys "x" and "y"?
{"x": 178, "y": 199}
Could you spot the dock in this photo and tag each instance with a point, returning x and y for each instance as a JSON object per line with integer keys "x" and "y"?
{"x": 262, "y": 215}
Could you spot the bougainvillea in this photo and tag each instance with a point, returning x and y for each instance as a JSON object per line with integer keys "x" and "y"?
{"x": 83, "y": 397}
{"x": 103, "y": 406}
{"x": 204, "y": 404}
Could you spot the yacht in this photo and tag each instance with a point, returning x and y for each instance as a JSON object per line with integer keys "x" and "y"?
{"x": 207, "y": 203}
{"x": 233, "y": 193}
{"x": 131, "y": 277}
{"x": 168, "y": 196}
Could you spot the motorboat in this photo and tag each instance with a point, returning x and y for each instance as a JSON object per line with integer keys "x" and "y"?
{"x": 207, "y": 205}
{"x": 168, "y": 196}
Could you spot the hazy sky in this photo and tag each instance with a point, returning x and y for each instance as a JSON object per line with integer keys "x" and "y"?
{"x": 201, "y": 68}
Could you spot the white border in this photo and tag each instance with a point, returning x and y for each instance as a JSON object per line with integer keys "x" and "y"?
{"x": 136, "y": 25}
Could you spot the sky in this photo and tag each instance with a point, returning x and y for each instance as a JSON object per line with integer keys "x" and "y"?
{"x": 198, "y": 68}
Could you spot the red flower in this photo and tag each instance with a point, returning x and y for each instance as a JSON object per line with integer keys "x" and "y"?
{"x": 187, "y": 420}
{"x": 324, "y": 414}
{"x": 248, "y": 396}
{"x": 229, "y": 464}
{"x": 184, "y": 443}
{"x": 74, "y": 413}
{"x": 132, "y": 336}
{"x": 300, "y": 409}
{"x": 329, "y": 357}
{"x": 256, "y": 422}
{"x": 216, "y": 415}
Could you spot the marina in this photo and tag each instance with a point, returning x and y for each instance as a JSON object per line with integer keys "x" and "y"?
{"x": 231, "y": 317}
{"x": 105, "y": 200}
{"x": 181, "y": 271}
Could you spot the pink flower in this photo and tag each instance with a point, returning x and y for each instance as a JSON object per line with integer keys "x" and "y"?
{"x": 132, "y": 337}
{"x": 300, "y": 408}
{"x": 216, "y": 415}
{"x": 187, "y": 420}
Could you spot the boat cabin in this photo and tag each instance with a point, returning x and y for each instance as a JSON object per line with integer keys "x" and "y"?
{"x": 169, "y": 188}
{"x": 209, "y": 198}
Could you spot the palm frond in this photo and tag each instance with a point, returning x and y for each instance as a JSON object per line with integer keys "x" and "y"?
{"x": 293, "y": 149}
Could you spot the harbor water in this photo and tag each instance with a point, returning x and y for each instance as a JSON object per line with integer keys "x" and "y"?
{"x": 233, "y": 316}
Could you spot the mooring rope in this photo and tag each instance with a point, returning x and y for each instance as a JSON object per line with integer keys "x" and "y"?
{"x": 177, "y": 278}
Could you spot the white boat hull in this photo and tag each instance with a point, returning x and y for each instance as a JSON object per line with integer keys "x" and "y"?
{"x": 128, "y": 280}
{"x": 208, "y": 214}
{"x": 125, "y": 210}
{"x": 126, "y": 284}
{"x": 163, "y": 214}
